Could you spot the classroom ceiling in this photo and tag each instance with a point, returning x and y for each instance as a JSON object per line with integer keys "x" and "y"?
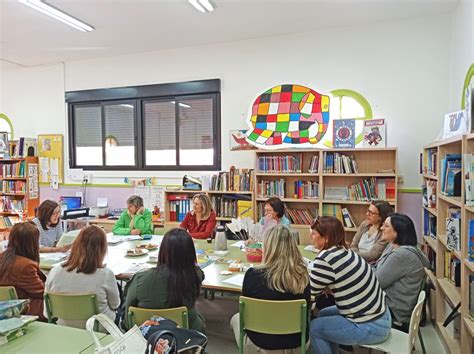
{"x": 28, "y": 38}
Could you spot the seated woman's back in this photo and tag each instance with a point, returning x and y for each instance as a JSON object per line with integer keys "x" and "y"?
{"x": 84, "y": 273}
{"x": 175, "y": 282}
{"x": 282, "y": 276}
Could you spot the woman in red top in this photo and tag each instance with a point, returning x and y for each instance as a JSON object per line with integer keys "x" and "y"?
{"x": 200, "y": 222}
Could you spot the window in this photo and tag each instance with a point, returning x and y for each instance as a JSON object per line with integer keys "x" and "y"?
{"x": 156, "y": 127}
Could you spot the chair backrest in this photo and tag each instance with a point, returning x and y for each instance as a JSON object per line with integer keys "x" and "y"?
{"x": 273, "y": 317}
{"x": 70, "y": 306}
{"x": 138, "y": 315}
{"x": 415, "y": 320}
{"x": 8, "y": 293}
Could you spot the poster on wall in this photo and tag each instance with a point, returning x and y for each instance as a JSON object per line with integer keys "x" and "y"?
{"x": 375, "y": 133}
{"x": 455, "y": 124}
{"x": 50, "y": 153}
{"x": 344, "y": 133}
{"x": 33, "y": 181}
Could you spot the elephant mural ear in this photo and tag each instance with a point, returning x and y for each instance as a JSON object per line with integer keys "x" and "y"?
{"x": 306, "y": 105}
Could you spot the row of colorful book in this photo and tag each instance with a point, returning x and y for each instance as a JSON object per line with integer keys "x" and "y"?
{"x": 12, "y": 205}
{"x": 306, "y": 190}
{"x": 179, "y": 207}
{"x": 368, "y": 189}
{"x": 314, "y": 164}
{"x": 13, "y": 170}
{"x": 428, "y": 162}
{"x": 429, "y": 224}
{"x": 13, "y": 187}
{"x": 234, "y": 180}
{"x": 339, "y": 212}
{"x": 451, "y": 166}
{"x": 301, "y": 216}
{"x": 278, "y": 163}
{"x": 335, "y": 162}
{"x": 276, "y": 188}
{"x": 8, "y": 221}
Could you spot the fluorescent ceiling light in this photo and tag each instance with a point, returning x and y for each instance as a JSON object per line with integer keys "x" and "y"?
{"x": 202, "y": 5}
{"x": 57, "y": 14}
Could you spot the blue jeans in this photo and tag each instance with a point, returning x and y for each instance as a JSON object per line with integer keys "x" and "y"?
{"x": 331, "y": 329}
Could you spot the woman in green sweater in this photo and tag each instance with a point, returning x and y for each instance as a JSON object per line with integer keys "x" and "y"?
{"x": 136, "y": 220}
{"x": 175, "y": 282}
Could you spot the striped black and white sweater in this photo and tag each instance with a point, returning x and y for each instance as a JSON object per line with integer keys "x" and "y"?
{"x": 357, "y": 292}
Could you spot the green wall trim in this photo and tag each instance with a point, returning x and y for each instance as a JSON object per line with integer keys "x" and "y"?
{"x": 409, "y": 190}
{"x": 4, "y": 116}
{"x": 467, "y": 81}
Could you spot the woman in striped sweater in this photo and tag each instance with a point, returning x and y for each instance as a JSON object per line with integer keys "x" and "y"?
{"x": 360, "y": 315}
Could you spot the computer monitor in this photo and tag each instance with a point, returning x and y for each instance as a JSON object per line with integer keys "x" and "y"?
{"x": 71, "y": 202}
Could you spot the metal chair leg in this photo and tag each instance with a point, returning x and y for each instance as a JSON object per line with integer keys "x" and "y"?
{"x": 421, "y": 342}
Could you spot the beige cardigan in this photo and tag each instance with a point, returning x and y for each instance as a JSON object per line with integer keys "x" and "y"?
{"x": 376, "y": 251}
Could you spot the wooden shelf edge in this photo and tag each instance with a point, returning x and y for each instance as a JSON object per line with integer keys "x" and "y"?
{"x": 430, "y": 241}
{"x": 451, "y": 344}
{"x": 434, "y": 177}
{"x": 432, "y": 211}
{"x": 469, "y": 323}
{"x": 431, "y": 275}
{"x": 228, "y": 192}
{"x": 291, "y": 200}
{"x": 468, "y": 264}
{"x": 452, "y": 200}
{"x": 452, "y": 293}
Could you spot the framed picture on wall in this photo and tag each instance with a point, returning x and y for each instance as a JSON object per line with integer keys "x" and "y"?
{"x": 3, "y": 144}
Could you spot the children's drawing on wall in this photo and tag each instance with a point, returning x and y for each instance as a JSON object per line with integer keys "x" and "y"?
{"x": 46, "y": 146}
{"x": 238, "y": 140}
{"x": 289, "y": 114}
{"x": 374, "y": 133}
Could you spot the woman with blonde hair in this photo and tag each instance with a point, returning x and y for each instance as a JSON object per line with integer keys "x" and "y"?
{"x": 201, "y": 221}
{"x": 85, "y": 273}
{"x": 281, "y": 276}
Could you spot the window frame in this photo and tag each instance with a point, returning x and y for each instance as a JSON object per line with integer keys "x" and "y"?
{"x": 139, "y": 96}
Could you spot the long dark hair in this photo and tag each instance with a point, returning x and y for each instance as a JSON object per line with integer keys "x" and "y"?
{"x": 331, "y": 229}
{"x": 45, "y": 210}
{"x": 178, "y": 254}
{"x": 22, "y": 241}
{"x": 405, "y": 229}
{"x": 88, "y": 251}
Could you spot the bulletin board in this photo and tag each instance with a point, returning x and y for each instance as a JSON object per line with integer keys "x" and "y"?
{"x": 50, "y": 156}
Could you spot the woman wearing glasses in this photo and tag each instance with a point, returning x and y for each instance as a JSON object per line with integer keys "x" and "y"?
{"x": 360, "y": 314}
{"x": 48, "y": 221}
{"x": 368, "y": 242}
{"x": 201, "y": 221}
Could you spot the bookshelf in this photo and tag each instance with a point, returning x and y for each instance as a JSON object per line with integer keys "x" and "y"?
{"x": 282, "y": 173}
{"x": 447, "y": 259}
{"x": 19, "y": 193}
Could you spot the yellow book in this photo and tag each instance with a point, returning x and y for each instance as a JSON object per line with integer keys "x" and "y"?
{"x": 244, "y": 208}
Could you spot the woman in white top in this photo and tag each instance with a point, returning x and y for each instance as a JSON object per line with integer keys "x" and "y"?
{"x": 368, "y": 242}
{"x": 85, "y": 273}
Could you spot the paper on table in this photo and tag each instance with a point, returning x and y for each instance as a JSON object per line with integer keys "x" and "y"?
{"x": 237, "y": 280}
{"x": 238, "y": 244}
{"x": 113, "y": 239}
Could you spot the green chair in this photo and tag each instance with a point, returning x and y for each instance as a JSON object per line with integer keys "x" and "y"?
{"x": 70, "y": 307}
{"x": 137, "y": 315}
{"x": 273, "y": 317}
{"x": 8, "y": 293}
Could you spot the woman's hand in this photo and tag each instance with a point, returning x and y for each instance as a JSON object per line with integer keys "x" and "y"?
{"x": 141, "y": 211}
{"x": 327, "y": 292}
{"x": 64, "y": 248}
{"x": 135, "y": 232}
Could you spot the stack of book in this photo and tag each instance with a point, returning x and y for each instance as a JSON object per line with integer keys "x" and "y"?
{"x": 279, "y": 164}
{"x": 335, "y": 162}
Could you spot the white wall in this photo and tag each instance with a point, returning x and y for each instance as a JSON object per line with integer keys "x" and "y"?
{"x": 461, "y": 54}
{"x": 400, "y": 67}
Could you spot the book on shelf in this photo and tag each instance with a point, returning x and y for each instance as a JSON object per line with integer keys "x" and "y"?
{"x": 13, "y": 170}
{"x": 428, "y": 162}
{"x": 301, "y": 216}
{"x": 336, "y": 192}
{"x": 372, "y": 188}
{"x": 452, "y": 268}
{"x": 227, "y": 206}
{"x": 179, "y": 206}
{"x": 245, "y": 209}
{"x": 431, "y": 193}
{"x": 275, "y": 188}
{"x": 344, "y": 133}
{"x": 453, "y": 229}
{"x": 13, "y": 187}
{"x": 279, "y": 164}
{"x": 7, "y": 222}
{"x": 468, "y": 162}
{"x": 431, "y": 255}
{"x": 375, "y": 133}
{"x": 470, "y": 241}
{"x": 306, "y": 190}
{"x": 347, "y": 217}
{"x": 335, "y": 162}
{"x": 429, "y": 224}
{"x": 450, "y": 166}
{"x": 12, "y": 205}
{"x": 314, "y": 164}
{"x": 235, "y": 180}
{"x": 333, "y": 210}
{"x": 471, "y": 296}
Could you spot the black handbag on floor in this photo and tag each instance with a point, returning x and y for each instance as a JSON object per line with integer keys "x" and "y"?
{"x": 164, "y": 336}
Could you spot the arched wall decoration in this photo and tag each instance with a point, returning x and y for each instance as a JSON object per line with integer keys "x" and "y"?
{"x": 467, "y": 81}
{"x": 12, "y": 131}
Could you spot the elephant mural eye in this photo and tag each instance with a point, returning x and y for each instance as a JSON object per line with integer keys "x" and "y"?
{"x": 285, "y": 114}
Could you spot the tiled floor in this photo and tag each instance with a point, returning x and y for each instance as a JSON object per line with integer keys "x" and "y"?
{"x": 221, "y": 339}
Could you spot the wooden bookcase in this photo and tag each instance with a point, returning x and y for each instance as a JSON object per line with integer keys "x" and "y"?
{"x": 447, "y": 295}
{"x": 27, "y": 193}
{"x": 371, "y": 162}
